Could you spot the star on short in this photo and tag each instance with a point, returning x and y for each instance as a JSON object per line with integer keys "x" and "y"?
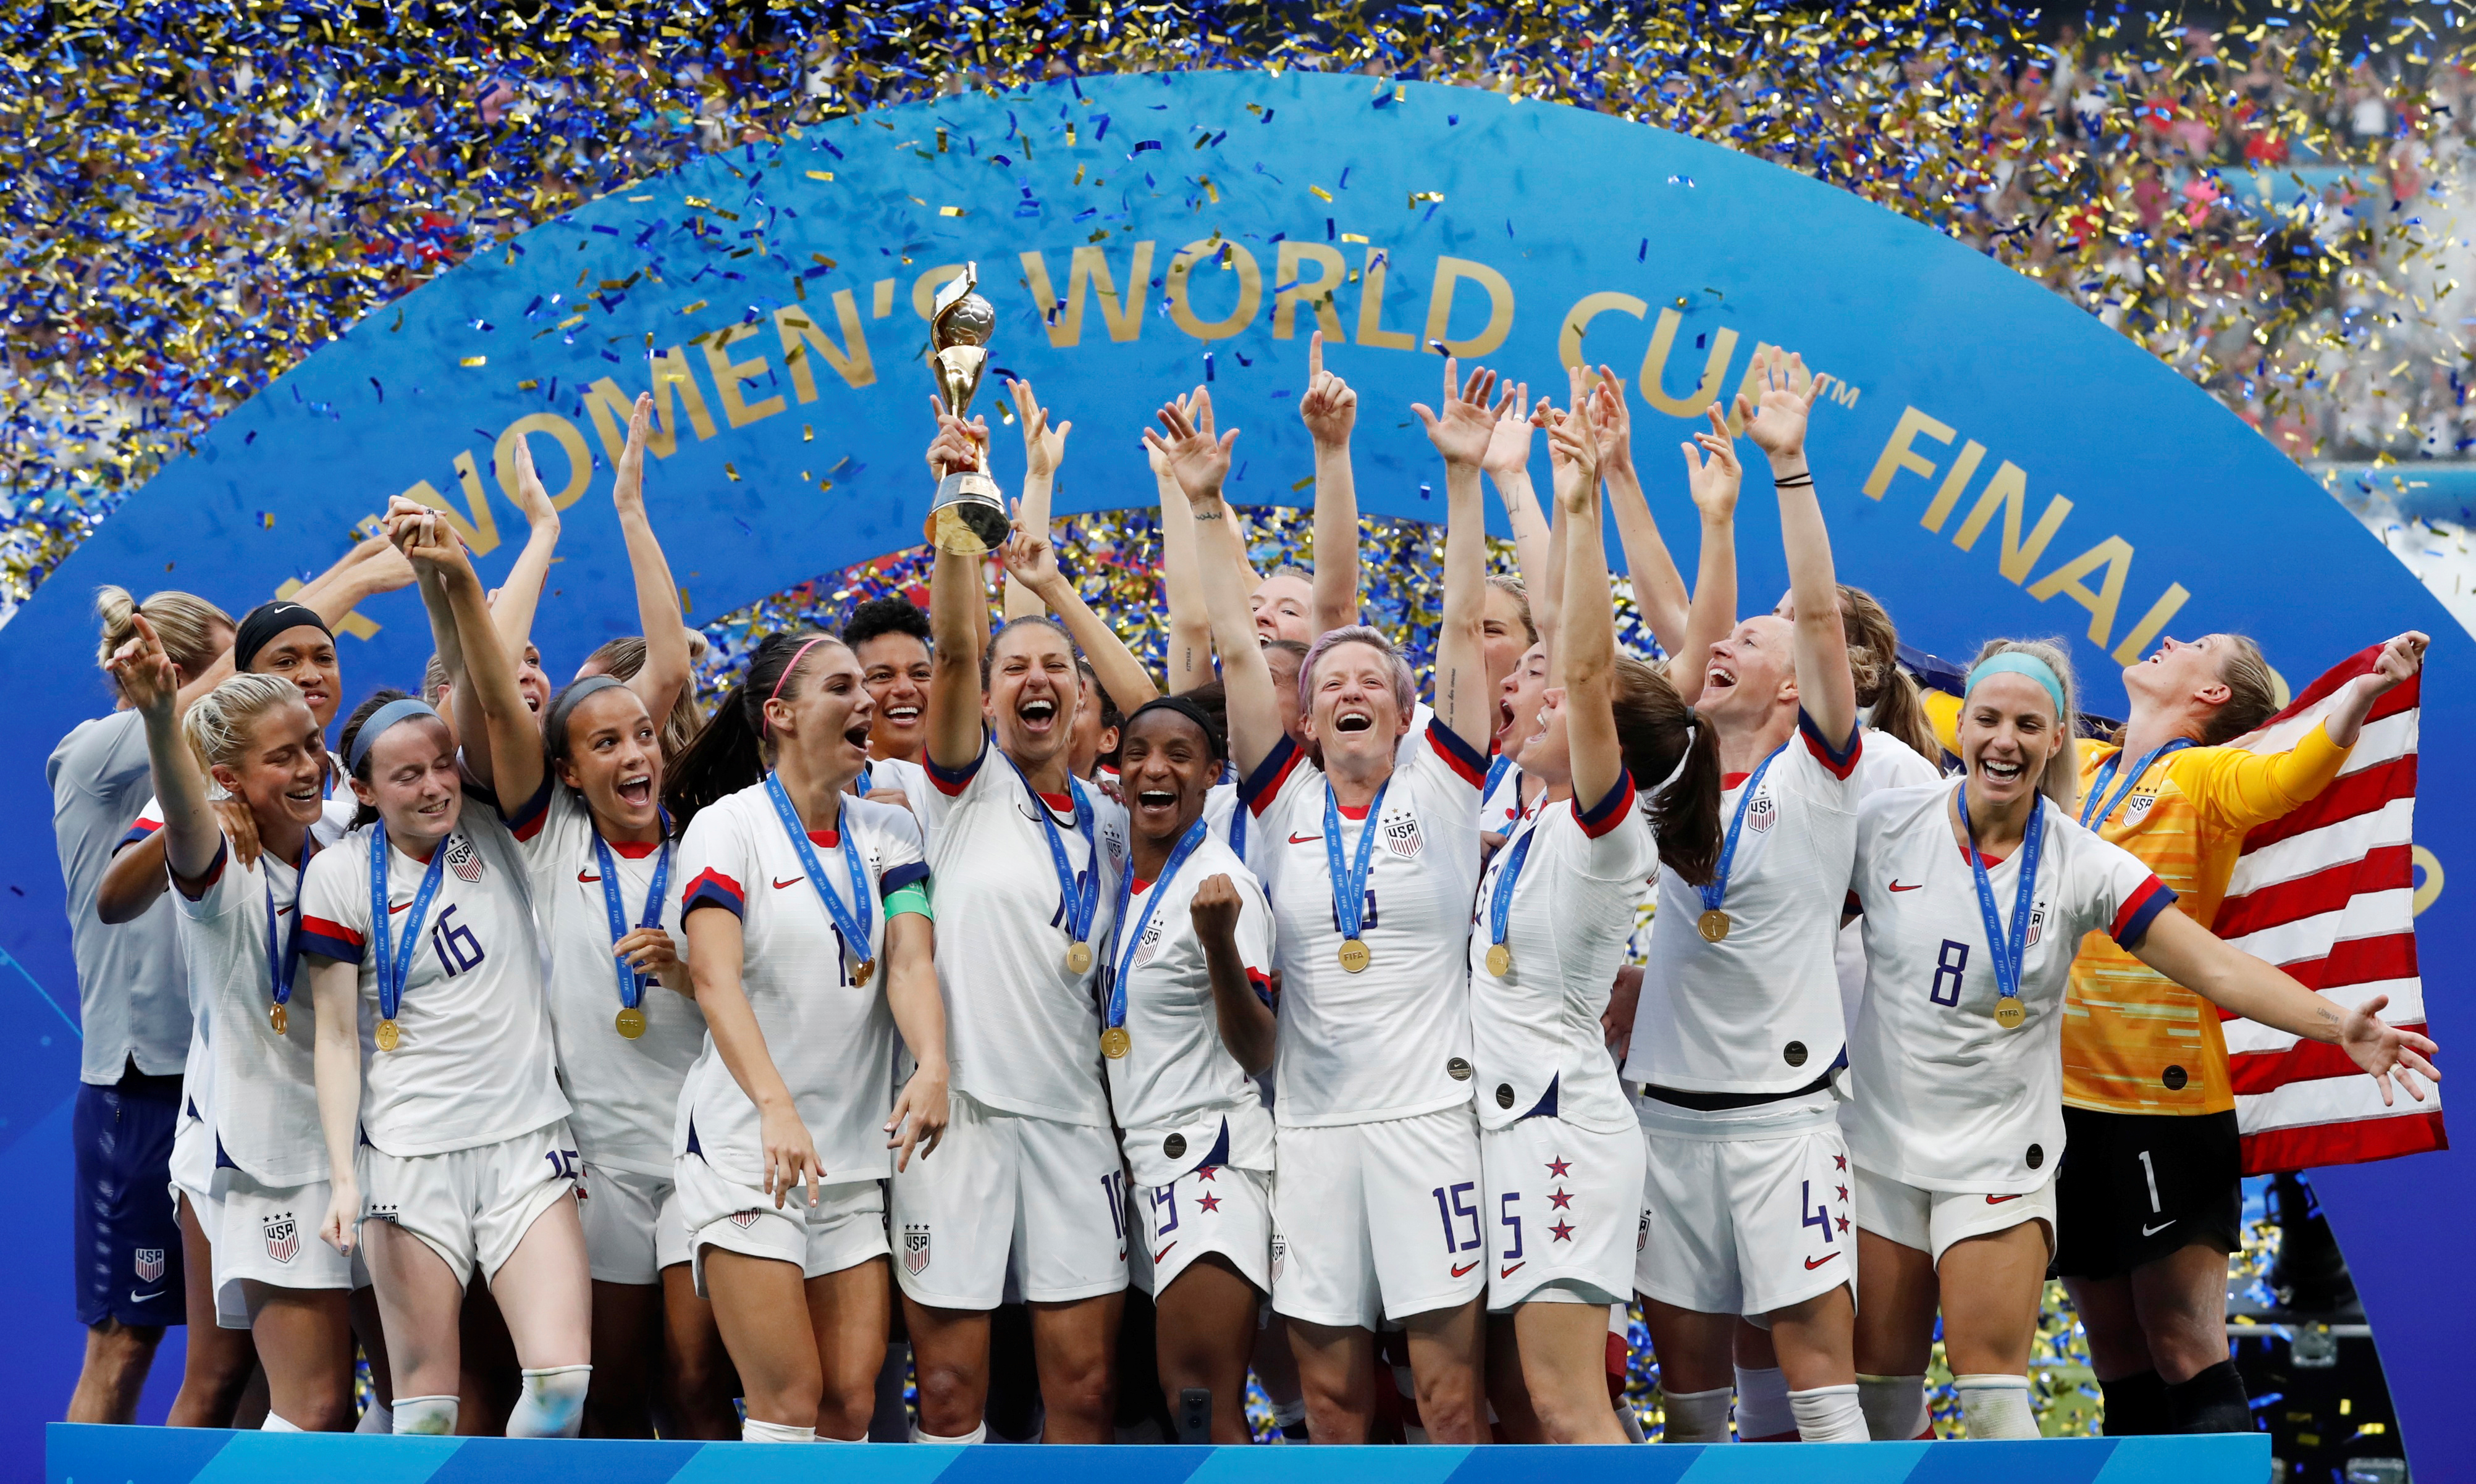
{"x": 1210, "y": 1202}
{"x": 1843, "y": 1222}
{"x": 1206, "y": 1172}
{"x": 1559, "y": 1200}
{"x": 1562, "y": 1231}
{"x": 1558, "y": 1166}
{"x": 1840, "y": 1161}
{"x": 1844, "y": 1192}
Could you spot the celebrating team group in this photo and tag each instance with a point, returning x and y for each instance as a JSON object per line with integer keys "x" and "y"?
{"x": 965, "y": 966}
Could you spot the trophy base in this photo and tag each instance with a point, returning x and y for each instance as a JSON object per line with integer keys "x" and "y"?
{"x": 968, "y": 516}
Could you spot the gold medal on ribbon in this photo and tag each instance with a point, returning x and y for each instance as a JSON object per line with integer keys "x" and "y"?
{"x": 1713, "y": 925}
{"x": 1354, "y": 956}
{"x": 1115, "y": 1043}
{"x": 388, "y": 1035}
{"x": 630, "y": 1023}
{"x": 1078, "y": 958}
{"x": 862, "y": 972}
{"x": 277, "y": 1017}
{"x": 1499, "y": 959}
{"x": 2009, "y": 1012}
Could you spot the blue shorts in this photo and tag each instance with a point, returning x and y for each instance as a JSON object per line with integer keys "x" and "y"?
{"x": 125, "y": 1229}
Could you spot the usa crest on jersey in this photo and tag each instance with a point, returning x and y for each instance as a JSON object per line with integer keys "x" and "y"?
{"x": 282, "y": 1238}
{"x": 465, "y": 861}
{"x": 1761, "y": 814}
{"x": 2037, "y": 923}
{"x": 1401, "y": 835}
{"x": 2139, "y": 806}
{"x": 915, "y": 1248}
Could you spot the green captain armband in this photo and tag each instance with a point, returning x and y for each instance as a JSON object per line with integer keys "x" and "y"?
{"x": 912, "y": 897}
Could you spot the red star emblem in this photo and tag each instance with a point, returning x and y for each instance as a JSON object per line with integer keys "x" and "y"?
{"x": 1559, "y": 1200}
{"x": 1208, "y": 1171}
{"x": 1563, "y": 1231}
{"x": 1844, "y": 1192}
{"x": 1843, "y": 1222}
{"x": 1557, "y": 1168}
{"x": 1212, "y": 1202}
{"x": 1840, "y": 1161}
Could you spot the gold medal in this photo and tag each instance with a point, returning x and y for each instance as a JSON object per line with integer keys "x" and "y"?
{"x": 276, "y": 1017}
{"x": 630, "y": 1023}
{"x": 1078, "y": 958}
{"x": 862, "y": 972}
{"x": 388, "y": 1035}
{"x": 1499, "y": 959}
{"x": 2009, "y": 1012}
{"x": 1713, "y": 925}
{"x": 1115, "y": 1042}
{"x": 1354, "y": 956}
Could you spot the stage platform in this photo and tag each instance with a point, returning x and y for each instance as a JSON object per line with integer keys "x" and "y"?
{"x": 75, "y": 1454}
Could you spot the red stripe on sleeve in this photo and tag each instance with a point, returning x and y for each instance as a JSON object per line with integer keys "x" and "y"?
{"x": 1467, "y": 762}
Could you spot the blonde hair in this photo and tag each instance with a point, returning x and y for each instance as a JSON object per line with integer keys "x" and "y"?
{"x": 218, "y": 723}
{"x": 1883, "y": 688}
{"x": 184, "y": 622}
{"x": 1511, "y": 587}
{"x": 2061, "y": 781}
{"x": 2252, "y": 692}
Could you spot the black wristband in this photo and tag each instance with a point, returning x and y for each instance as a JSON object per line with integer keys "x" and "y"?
{"x": 1794, "y": 482}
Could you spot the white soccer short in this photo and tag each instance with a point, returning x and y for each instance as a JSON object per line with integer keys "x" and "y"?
{"x": 472, "y": 1206}
{"x": 1563, "y": 1208}
{"x": 1379, "y": 1220}
{"x": 1931, "y": 1221}
{"x": 632, "y": 1229}
{"x": 192, "y": 1172}
{"x": 844, "y": 1229}
{"x": 1050, "y": 1195}
{"x": 1213, "y": 1208}
{"x": 270, "y": 1235}
{"x": 1745, "y": 1226}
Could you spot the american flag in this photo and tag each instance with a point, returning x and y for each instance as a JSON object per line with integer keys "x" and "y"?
{"x": 2328, "y": 894}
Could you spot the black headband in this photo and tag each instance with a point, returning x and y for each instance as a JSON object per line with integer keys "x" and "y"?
{"x": 263, "y": 623}
{"x": 1188, "y": 709}
{"x": 564, "y": 706}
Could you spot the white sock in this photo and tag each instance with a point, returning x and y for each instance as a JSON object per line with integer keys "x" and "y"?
{"x": 1894, "y": 1406}
{"x": 1996, "y": 1406}
{"x": 378, "y": 1416}
{"x": 1289, "y": 1412}
{"x": 275, "y": 1424}
{"x": 1697, "y": 1417}
{"x": 1632, "y": 1425}
{"x": 552, "y": 1402}
{"x": 978, "y": 1434}
{"x": 433, "y": 1416}
{"x": 1828, "y": 1413}
{"x": 750, "y": 1431}
{"x": 1761, "y": 1403}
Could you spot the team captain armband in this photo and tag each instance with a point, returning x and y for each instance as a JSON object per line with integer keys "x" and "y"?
{"x": 2140, "y": 909}
{"x": 912, "y": 896}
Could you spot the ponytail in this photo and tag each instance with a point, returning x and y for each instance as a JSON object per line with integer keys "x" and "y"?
{"x": 194, "y": 632}
{"x": 734, "y": 752}
{"x": 217, "y": 726}
{"x": 1665, "y": 742}
{"x": 1888, "y": 697}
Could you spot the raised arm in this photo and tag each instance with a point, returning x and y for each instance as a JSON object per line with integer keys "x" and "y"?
{"x": 373, "y": 567}
{"x": 190, "y": 834}
{"x": 1032, "y": 565}
{"x": 959, "y": 619}
{"x": 1658, "y": 587}
{"x": 1507, "y": 464}
{"x": 1714, "y": 482}
{"x": 665, "y": 672}
{"x": 2232, "y": 980}
{"x": 1330, "y": 410}
{"x": 1190, "y": 626}
{"x": 1586, "y": 644}
{"x": 511, "y": 613}
{"x": 1198, "y": 457}
{"x": 1044, "y": 448}
{"x": 1825, "y": 688}
{"x": 1463, "y": 701}
{"x": 486, "y": 675}
{"x": 2398, "y": 662}
{"x": 1547, "y": 594}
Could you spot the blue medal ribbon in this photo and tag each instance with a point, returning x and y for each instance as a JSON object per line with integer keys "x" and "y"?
{"x": 1122, "y": 960}
{"x": 283, "y": 963}
{"x": 395, "y": 968}
{"x": 2132, "y": 781}
{"x": 2008, "y": 952}
{"x": 1499, "y": 907}
{"x": 631, "y": 984}
{"x": 855, "y": 920}
{"x": 1081, "y": 900}
{"x": 1716, "y": 890}
{"x": 1350, "y": 881}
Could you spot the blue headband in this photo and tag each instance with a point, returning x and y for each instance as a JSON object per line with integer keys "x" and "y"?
{"x": 386, "y": 716}
{"x": 2022, "y": 662}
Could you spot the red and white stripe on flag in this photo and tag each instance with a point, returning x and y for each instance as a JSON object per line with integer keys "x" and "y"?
{"x": 2328, "y": 894}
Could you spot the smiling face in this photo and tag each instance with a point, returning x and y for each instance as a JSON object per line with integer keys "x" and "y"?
{"x": 1166, "y": 765}
{"x": 1546, "y": 753}
{"x": 1353, "y": 711}
{"x": 895, "y": 669}
{"x": 823, "y": 713}
{"x": 1284, "y": 607}
{"x": 1092, "y": 738}
{"x": 1503, "y": 638}
{"x": 281, "y": 774}
{"x": 614, "y": 759}
{"x": 1518, "y": 701}
{"x": 2007, "y": 735}
{"x": 2180, "y": 673}
{"x": 306, "y": 656}
{"x": 412, "y": 782}
{"x": 1752, "y": 673}
{"x": 1032, "y": 693}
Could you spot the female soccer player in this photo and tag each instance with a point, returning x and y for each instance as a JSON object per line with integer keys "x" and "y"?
{"x": 1030, "y": 1174}
{"x": 2148, "y": 1196}
{"x": 814, "y": 955}
{"x": 1738, "y": 1026}
{"x": 1975, "y": 898}
{"x": 1377, "y": 1138}
{"x": 239, "y": 928}
{"x": 1564, "y": 1157}
{"x": 418, "y": 927}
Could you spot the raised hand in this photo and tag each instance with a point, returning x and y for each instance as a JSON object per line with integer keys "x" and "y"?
{"x": 146, "y": 674}
{"x": 1197, "y": 454}
{"x": 1044, "y": 447}
{"x": 628, "y": 486}
{"x": 1508, "y": 448}
{"x": 1464, "y": 430}
{"x": 532, "y": 497}
{"x": 426, "y": 540}
{"x": 1613, "y": 416}
{"x": 2386, "y": 1053}
{"x": 1327, "y": 407}
{"x": 1776, "y": 420}
{"x": 1578, "y": 440}
{"x": 957, "y": 444}
{"x": 2400, "y": 659}
{"x": 1027, "y": 555}
{"x": 1714, "y": 483}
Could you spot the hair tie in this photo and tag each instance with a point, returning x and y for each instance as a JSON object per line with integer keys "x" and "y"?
{"x": 2020, "y": 662}
{"x": 403, "y": 709}
{"x": 1682, "y": 758}
{"x": 555, "y": 724}
{"x": 764, "y": 723}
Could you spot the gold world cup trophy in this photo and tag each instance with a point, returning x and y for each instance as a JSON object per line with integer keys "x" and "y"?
{"x": 968, "y": 516}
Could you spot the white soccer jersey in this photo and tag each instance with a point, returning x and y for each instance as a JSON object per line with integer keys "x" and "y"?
{"x": 1500, "y": 803}
{"x": 1945, "y": 1098}
{"x": 832, "y": 1040}
{"x": 265, "y": 1121}
{"x": 1394, "y": 1040}
{"x": 899, "y": 773}
{"x": 1535, "y": 1031}
{"x": 1228, "y": 824}
{"x": 1758, "y": 1011}
{"x": 1177, "y": 1087}
{"x": 1022, "y": 1034}
{"x": 474, "y": 1061}
{"x": 1888, "y": 762}
{"x": 625, "y": 1093}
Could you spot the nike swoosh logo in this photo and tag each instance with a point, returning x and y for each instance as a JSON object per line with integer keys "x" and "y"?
{"x": 1999, "y": 1200}
{"x": 393, "y": 910}
{"x": 1300, "y": 840}
{"x": 793, "y": 881}
{"x": 1163, "y": 1252}
{"x": 1911, "y": 886}
{"x": 1465, "y": 1268}
{"x": 2151, "y": 1231}
{"x": 581, "y": 877}
{"x": 1510, "y": 1271}
{"x": 1812, "y": 1263}
{"x": 134, "y": 1296}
